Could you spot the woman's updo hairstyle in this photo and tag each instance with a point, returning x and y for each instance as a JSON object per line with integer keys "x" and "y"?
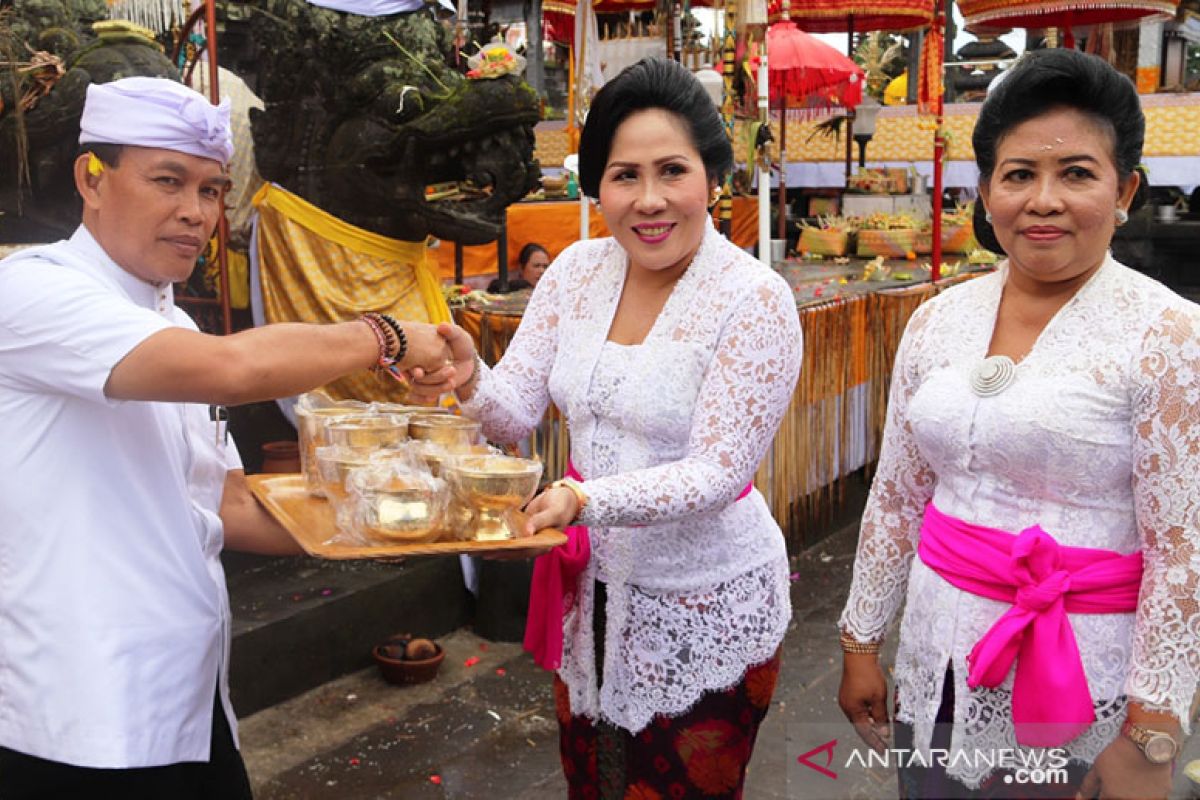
{"x": 1044, "y": 80}
{"x": 653, "y": 82}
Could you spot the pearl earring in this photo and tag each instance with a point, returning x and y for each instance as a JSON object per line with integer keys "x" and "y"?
{"x": 1122, "y": 216}
{"x": 987, "y": 216}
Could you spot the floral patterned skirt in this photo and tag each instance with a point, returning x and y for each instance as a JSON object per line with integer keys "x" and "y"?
{"x": 701, "y": 754}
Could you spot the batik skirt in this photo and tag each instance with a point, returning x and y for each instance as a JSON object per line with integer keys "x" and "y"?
{"x": 700, "y": 754}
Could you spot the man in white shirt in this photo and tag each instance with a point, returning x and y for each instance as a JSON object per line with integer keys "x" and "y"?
{"x": 119, "y": 487}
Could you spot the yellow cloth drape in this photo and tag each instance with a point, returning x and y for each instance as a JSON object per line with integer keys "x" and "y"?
{"x": 317, "y": 268}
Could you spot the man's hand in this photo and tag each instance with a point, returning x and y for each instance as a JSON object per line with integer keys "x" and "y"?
{"x": 456, "y": 370}
{"x": 427, "y": 350}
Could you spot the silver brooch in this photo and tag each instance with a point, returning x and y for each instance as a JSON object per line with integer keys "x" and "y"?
{"x": 993, "y": 375}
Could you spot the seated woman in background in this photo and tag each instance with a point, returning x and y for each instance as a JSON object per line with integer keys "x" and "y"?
{"x": 532, "y": 262}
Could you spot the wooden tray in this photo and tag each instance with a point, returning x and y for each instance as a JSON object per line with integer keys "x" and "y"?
{"x": 310, "y": 521}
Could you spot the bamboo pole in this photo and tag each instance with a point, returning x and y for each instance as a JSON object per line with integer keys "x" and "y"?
{"x": 764, "y": 171}
{"x": 729, "y": 54}
{"x": 939, "y": 151}
{"x": 781, "y": 227}
{"x": 214, "y": 91}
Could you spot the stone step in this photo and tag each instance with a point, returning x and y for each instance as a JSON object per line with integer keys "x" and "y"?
{"x": 483, "y": 728}
{"x": 301, "y": 622}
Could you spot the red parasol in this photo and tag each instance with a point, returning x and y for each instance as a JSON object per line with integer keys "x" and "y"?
{"x": 1061, "y": 13}
{"x": 835, "y": 16}
{"x": 805, "y": 72}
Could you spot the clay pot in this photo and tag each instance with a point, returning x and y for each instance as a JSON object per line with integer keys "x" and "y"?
{"x": 281, "y": 457}
{"x": 403, "y": 672}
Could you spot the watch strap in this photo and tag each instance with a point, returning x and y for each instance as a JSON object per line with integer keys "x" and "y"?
{"x": 1151, "y": 742}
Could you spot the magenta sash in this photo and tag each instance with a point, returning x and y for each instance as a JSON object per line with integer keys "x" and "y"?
{"x": 552, "y": 591}
{"x": 1044, "y": 581}
{"x": 554, "y": 587}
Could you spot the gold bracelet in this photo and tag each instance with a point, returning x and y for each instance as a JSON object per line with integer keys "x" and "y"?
{"x": 855, "y": 647}
{"x": 581, "y": 497}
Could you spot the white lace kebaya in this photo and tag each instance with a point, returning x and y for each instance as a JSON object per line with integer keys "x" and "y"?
{"x": 666, "y": 434}
{"x": 1096, "y": 439}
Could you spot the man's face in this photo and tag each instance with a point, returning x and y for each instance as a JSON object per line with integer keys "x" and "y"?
{"x": 155, "y": 211}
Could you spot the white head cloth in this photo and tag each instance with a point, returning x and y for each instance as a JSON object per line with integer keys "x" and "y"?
{"x": 378, "y": 8}
{"x": 156, "y": 112}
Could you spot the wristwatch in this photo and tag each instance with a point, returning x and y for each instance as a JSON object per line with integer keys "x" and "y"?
{"x": 577, "y": 489}
{"x": 1158, "y": 747}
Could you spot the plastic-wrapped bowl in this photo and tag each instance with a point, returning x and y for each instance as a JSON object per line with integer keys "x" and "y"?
{"x": 367, "y": 432}
{"x": 453, "y": 432}
{"x": 401, "y": 511}
{"x": 310, "y": 423}
{"x": 334, "y": 465}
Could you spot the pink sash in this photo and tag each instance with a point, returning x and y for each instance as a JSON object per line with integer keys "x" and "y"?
{"x": 555, "y": 586}
{"x": 1043, "y": 580}
{"x": 552, "y": 592}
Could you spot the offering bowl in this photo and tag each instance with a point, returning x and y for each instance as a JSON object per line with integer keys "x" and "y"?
{"x": 452, "y": 432}
{"x": 492, "y": 486}
{"x": 367, "y": 432}
{"x": 334, "y": 465}
{"x": 311, "y": 424}
{"x": 401, "y": 511}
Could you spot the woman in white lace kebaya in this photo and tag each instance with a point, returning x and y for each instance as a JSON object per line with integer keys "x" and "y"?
{"x": 1036, "y": 502}
{"x": 673, "y": 356}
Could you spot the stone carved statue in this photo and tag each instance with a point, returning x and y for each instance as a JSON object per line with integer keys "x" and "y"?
{"x": 362, "y": 115}
{"x": 44, "y": 138}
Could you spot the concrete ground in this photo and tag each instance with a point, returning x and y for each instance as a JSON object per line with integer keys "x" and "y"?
{"x": 485, "y": 727}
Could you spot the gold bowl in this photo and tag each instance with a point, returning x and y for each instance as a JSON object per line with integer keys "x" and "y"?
{"x": 453, "y": 432}
{"x": 310, "y": 423}
{"x": 334, "y": 465}
{"x": 403, "y": 408}
{"x": 368, "y": 431}
{"x": 493, "y": 486}
{"x": 401, "y": 511}
{"x": 437, "y": 456}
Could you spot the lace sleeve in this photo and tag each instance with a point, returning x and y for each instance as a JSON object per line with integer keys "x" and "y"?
{"x": 891, "y": 520}
{"x": 1166, "y": 463}
{"x": 741, "y": 401}
{"x": 512, "y": 397}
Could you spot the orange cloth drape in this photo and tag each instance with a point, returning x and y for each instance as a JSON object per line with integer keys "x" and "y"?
{"x": 555, "y": 225}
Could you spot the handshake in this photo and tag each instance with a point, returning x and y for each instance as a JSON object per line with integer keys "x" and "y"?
{"x": 440, "y": 359}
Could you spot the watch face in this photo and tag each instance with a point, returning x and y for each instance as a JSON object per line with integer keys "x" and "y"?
{"x": 1160, "y": 748}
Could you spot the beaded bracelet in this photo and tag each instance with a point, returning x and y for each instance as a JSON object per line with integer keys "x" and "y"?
{"x": 380, "y": 336}
{"x": 853, "y": 646}
{"x": 401, "y": 338}
{"x": 387, "y": 337}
